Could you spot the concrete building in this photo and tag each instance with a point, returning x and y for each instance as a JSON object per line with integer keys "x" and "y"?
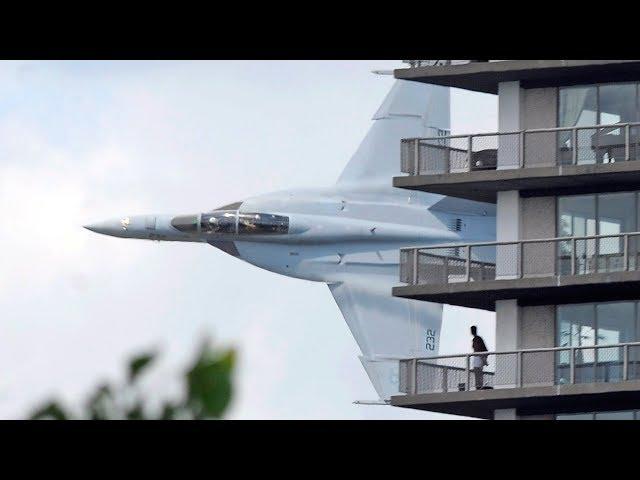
{"x": 563, "y": 276}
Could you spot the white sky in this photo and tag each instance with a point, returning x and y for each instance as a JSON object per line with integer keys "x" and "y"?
{"x": 84, "y": 141}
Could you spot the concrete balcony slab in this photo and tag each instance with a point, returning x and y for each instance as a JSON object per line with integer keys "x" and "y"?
{"x": 484, "y": 185}
{"x": 548, "y": 290}
{"x": 485, "y": 76}
{"x": 540, "y": 400}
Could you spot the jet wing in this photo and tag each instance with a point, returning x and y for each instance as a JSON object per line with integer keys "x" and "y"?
{"x": 410, "y": 110}
{"x": 385, "y": 326}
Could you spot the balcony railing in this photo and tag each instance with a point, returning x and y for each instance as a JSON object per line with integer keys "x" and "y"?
{"x": 595, "y": 144}
{"x": 521, "y": 368}
{"x": 547, "y": 257}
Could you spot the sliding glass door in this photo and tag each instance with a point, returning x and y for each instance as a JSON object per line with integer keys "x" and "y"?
{"x": 589, "y": 324}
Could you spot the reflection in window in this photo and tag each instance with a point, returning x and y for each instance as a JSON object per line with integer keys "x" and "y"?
{"x": 576, "y": 328}
{"x": 577, "y": 215}
{"x": 598, "y": 214}
{"x": 218, "y": 222}
{"x": 590, "y": 105}
{"x": 262, "y": 224}
{"x": 616, "y": 214}
{"x": 576, "y": 218}
{"x": 616, "y": 322}
{"x": 590, "y": 324}
{"x": 617, "y": 104}
{"x": 578, "y": 106}
{"x": 232, "y": 222}
{"x": 623, "y": 415}
{"x": 575, "y": 416}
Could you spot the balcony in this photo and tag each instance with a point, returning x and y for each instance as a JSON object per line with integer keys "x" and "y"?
{"x": 535, "y": 381}
{"x": 537, "y": 162}
{"x": 535, "y": 272}
{"x": 483, "y": 76}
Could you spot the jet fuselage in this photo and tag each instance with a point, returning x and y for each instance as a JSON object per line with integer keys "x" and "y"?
{"x": 316, "y": 234}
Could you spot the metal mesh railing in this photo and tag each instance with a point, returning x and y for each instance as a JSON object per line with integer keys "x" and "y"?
{"x": 527, "y": 148}
{"x": 521, "y": 368}
{"x": 598, "y": 364}
{"x": 523, "y": 259}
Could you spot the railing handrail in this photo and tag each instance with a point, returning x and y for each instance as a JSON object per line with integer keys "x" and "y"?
{"x": 525, "y": 131}
{"x": 516, "y": 242}
{"x": 512, "y": 352}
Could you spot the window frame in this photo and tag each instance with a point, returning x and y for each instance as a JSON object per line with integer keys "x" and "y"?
{"x": 598, "y": 107}
{"x": 636, "y": 205}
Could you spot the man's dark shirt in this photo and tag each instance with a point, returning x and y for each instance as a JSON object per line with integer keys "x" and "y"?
{"x": 478, "y": 344}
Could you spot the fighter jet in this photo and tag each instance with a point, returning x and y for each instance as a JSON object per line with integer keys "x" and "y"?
{"x": 347, "y": 235}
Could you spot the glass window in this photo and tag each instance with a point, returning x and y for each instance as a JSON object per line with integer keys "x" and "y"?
{"x": 576, "y": 218}
{"x": 262, "y": 224}
{"x": 617, "y": 103}
{"x": 624, "y": 415}
{"x": 575, "y": 416}
{"x": 576, "y": 215}
{"x": 614, "y": 325}
{"x": 628, "y": 415}
{"x": 615, "y": 322}
{"x": 575, "y": 328}
{"x": 616, "y": 214}
{"x": 219, "y": 222}
{"x": 577, "y": 325}
{"x": 589, "y": 324}
{"x": 590, "y": 105}
{"x": 578, "y": 106}
{"x": 601, "y": 214}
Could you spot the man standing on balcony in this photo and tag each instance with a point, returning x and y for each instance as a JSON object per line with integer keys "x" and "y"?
{"x": 478, "y": 361}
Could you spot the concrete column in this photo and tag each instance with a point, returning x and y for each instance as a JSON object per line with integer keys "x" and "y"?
{"x": 508, "y": 229}
{"x": 510, "y": 101}
{"x": 539, "y": 110}
{"x": 508, "y": 328}
{"x": 505, "y": 414}
{"x": 507, "y": 325}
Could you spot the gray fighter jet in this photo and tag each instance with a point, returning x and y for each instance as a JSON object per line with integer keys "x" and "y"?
{"x": 347, "y": 235}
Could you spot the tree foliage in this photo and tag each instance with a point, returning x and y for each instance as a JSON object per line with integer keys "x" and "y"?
{"x": 208, "y": 392}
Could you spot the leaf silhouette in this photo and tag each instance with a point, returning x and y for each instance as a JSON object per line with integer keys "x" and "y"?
{"x": 138, "y": 364}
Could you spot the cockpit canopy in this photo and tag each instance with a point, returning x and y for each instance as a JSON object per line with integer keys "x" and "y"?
{"x": 185, "y": 223}
{"x": 218, "y": 222}
{"x": 262, "y": 224}
{"x": 233, "y": 222}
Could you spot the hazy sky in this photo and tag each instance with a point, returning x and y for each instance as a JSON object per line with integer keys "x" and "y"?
{"x": 84, "y": 141}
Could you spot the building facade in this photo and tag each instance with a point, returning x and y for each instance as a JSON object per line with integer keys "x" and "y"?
{"x": 563, "y": 275}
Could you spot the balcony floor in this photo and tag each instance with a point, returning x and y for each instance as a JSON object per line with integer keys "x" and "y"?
{"x": 484, "y": 185}
{"x": 550, "y": 290}
{"x": 542, "y": 400}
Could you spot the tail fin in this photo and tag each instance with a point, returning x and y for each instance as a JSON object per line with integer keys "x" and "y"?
{"x": 411, "y": 109}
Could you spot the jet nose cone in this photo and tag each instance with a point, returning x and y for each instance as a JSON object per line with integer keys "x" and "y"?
{"x": 107, "y": 227}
